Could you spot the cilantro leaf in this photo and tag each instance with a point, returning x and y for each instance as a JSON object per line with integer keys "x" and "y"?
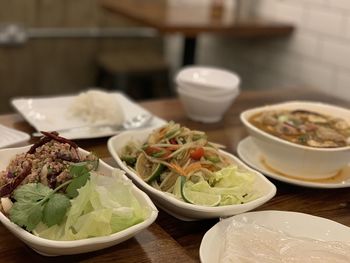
{"x": 78, "y": 182}
{"x": 55, "y": 209}
{"x": 34, "y": 217}
{"x": 78, "y": 169}
{"x": 31, "y": 192}
{"x": 26, "y": 214}
{"x": 36, "y": 202}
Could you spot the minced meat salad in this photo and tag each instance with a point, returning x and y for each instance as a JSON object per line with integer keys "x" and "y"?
{"x": 46, "y": 162}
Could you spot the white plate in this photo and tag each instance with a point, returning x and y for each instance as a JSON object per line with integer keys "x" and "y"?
{"x": 55, "y": 248}
{"x": 251, "y": 154}
{"x": 52, "y": 113}
{"x": 292, "y": 223}
{"x": 11, "y": 136}
{"x": 180, "y": 209}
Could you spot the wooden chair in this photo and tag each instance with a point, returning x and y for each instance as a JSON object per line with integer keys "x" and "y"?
{"x": 138, "y": 73}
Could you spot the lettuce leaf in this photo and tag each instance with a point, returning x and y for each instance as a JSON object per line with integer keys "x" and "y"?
{"x": 105, "y": 205}
{"x": 234, "y": 185}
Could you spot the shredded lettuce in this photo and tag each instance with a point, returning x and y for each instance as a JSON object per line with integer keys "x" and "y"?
{"x": 105, "y": 205}
{"x": 234, "y": 186}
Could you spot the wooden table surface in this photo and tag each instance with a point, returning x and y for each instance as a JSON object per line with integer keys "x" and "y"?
{"x": 191, "y": 19}
{"x": 172, "y": 240}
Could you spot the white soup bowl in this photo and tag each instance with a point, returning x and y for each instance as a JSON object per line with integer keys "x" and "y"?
{"x": 293, "y": 159}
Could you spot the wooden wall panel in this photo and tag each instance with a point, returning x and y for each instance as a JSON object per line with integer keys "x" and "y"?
{"x": 54, "y": 66}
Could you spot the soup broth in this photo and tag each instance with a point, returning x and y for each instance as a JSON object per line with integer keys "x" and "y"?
{"x": 304, "y": 127}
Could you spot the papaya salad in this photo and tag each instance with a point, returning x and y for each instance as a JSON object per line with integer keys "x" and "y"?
{"x": 183, "y": 163}
{"x": 54, "y": 190}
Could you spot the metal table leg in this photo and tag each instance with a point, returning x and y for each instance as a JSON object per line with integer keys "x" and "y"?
{"x": 189, "y": 51}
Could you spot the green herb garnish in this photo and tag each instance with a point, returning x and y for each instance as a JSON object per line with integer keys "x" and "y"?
{"x": 37, "y": 203}
{"x": 80, "y": 174}
{"x": 34, "y": 204}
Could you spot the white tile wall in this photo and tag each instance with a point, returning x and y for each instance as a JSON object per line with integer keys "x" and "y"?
{"x": 323, "y": 21}
{"x": 321, "y": 42}
{"x": 317, "y": 55}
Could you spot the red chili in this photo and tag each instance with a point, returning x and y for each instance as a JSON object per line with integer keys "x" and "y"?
{"x": 8, "y": 188}
{"x": 197, "y": 153}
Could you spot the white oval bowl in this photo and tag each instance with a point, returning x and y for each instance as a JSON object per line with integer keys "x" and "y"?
{"x": 178, "y": 208}
{"x": 208, "y": 78}
{"x": 205, "y": 109}
{"x": 55, "y": 248}
{"x": 294, "y": 159}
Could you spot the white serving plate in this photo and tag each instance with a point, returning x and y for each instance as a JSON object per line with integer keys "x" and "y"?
{"x": 52, "y": 113}
{"x": 251, "y": 155}
{"x": 12, "y": 137}
{"x": 292, "y": 223}
{"x": 180, "y": 209}
{"x": 54, "y": 248}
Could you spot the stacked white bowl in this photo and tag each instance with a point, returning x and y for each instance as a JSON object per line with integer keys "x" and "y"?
{"x": 206, "y": 93}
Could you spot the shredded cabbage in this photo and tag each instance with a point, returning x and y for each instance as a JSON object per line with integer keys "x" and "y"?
{"x": 105, "y": 205}
{"x": 234, "y": 186}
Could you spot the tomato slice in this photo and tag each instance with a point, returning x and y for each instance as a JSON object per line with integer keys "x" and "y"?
{"x": 197, "y": 153}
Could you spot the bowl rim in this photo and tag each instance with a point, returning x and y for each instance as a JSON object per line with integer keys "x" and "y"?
{"x": 32, "y": 239}
{"x": 251, "y": 111}
{"x": 231, "y": 74}
{"x": 181, "y": 204}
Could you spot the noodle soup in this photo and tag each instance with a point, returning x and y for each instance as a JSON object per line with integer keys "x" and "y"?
{"x": 304, "y": 127}
{"x": 308, "y": 140}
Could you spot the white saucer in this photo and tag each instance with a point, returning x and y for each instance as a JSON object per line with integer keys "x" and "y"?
{"x": 251, "y": 155}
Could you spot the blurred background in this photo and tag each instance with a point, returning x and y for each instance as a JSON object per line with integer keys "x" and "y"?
{"x": 50, "y": 47}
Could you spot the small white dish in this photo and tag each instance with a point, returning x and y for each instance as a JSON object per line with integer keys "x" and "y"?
{"x": 52, "y": 113}
{"x": 205, "y": 109}
{"x": 10, "y": 137}
{"x": 208, "y": 78}
{"x": 180, "y": 209}
{"x": 294, "y": 159}
{"x": 292, "y": 223}
{"x": 251, "y": 154}
{"x": 55, "y": 248}
{"x": 206, "y": 93}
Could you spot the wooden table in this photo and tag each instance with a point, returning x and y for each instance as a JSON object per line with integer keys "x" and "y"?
{"x": 191, "y": 20}
{"x": 172, "y": 240}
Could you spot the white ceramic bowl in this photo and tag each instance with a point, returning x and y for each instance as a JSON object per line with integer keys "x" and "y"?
{"x": 55, "y": 248}
{"x": 205, "y": 109}
{"x": 178, "y": 208}
{"x": 208, "y": 78}
{"x": 297, "y": 160}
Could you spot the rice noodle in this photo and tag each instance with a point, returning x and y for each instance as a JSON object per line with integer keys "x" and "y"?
{"x": 249, "y": 242}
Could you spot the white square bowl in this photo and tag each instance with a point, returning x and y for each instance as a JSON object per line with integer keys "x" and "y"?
{"x": 55, "y": 248}
{"x": 179, "y": 209}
